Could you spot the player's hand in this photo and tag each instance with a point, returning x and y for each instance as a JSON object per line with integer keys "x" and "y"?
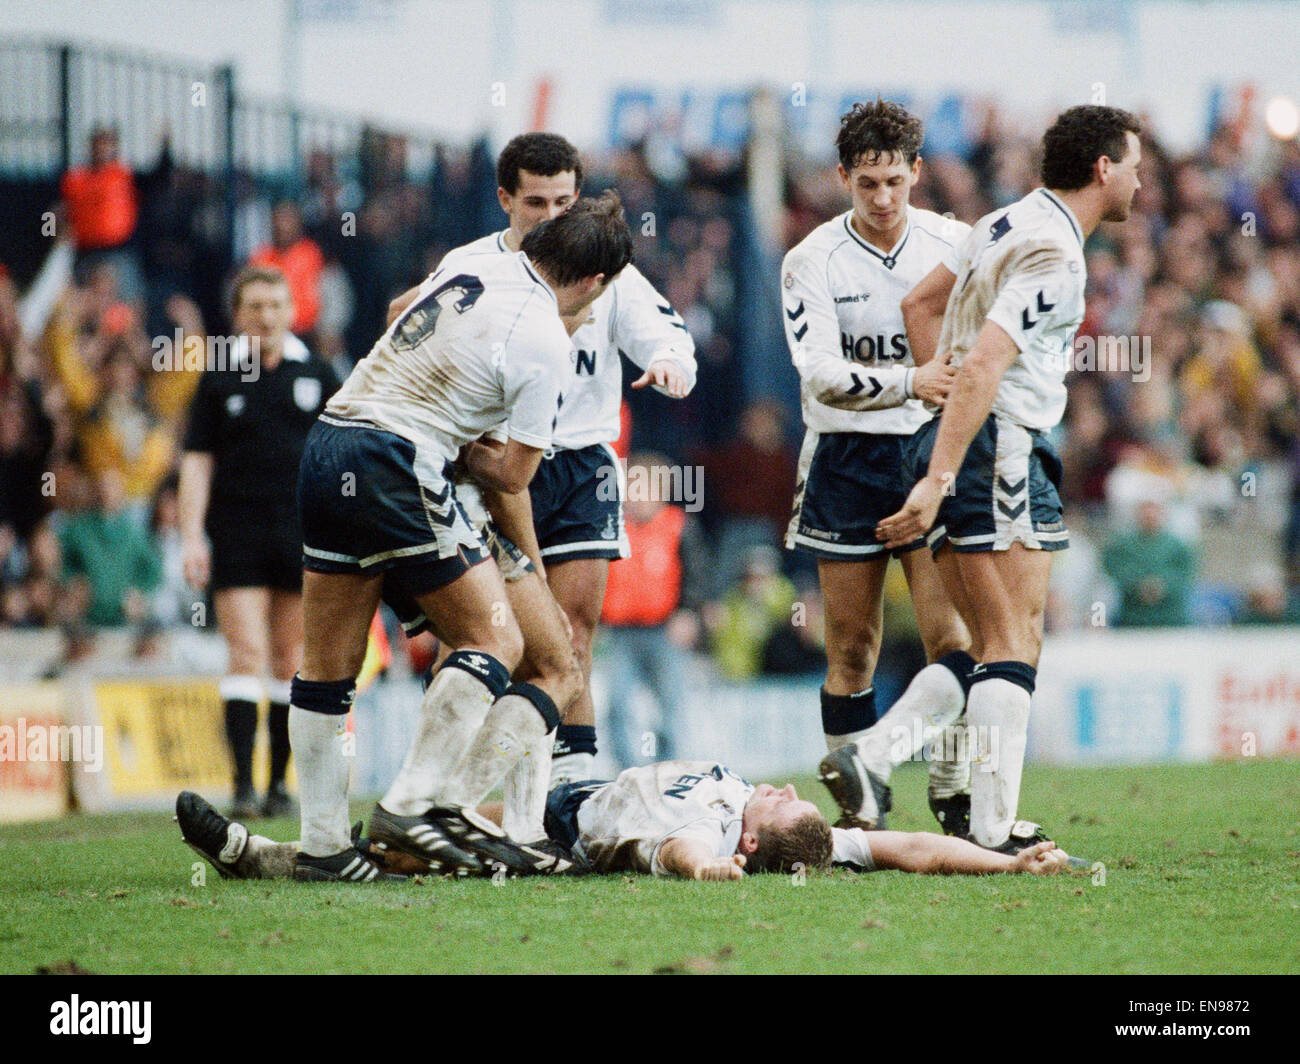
{"x": 196, "y": 561}
{"x": 1042, "y": 859}
{"x": 916, "y": 518}
{"x": 933, "y": 381}
{"x": 666, "y": 375}
{"x": 721, "y": 869}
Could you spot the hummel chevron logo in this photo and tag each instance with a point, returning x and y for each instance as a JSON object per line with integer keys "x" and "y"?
{"x": 1012, "y": 489}
{"x": 793, "y": 314}
{"x": 999, "y": 229}
{"x": 1026, "y": 322}
{"x": 1012, "y": 511}
{"x": 799, "y": 332}
{"x": 876, "y": 386}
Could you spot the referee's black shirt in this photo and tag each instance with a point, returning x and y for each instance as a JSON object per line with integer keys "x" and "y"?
{"x": 256, "y": 430}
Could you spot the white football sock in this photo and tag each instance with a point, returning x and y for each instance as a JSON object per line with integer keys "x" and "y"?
{"x": 933, "y": 700}
{"x": 452, "y": 712}
{"x": 317, "y": 742}
{"x": 525, "y": 789}
{"x": 834, "y": 742}
{"x": 570, "y": 768}
{"x": 513, "y": 727}
{"x": 950, "y": 762}
{"x": 998, "y": 714}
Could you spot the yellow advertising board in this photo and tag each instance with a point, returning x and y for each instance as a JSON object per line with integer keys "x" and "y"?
{"x": 36, "y": 749}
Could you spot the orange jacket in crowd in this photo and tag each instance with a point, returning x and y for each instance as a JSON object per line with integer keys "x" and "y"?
{"x": 302, "y": 264}
{"x": 645, "y": 589}
{"x": 101, "y": 205}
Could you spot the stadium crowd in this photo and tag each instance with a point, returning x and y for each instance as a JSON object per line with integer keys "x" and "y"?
{"x": 1182, "y": 469}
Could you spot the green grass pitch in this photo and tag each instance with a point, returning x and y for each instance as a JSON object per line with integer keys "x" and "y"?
{"x": 1201, "y": 875}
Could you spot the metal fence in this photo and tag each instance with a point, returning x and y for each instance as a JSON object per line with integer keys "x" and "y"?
{"x": 53, "y": 94}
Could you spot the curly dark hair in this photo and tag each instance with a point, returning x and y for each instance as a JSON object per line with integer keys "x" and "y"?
{"x": 1078, "y": 138}
{"x": 807, "y": 843}
{"x": 545, "y": 154}
{"x": 870, "y": 130}
{"x": 591, "y": 237}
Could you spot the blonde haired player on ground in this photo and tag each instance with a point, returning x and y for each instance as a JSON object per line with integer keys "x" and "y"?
{"x": 985, "y": 472}
{"x": 691, "y": 819}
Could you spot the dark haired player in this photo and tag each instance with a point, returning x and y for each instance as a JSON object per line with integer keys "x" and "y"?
{"x": 248, "y": 424}
{"x": 843, "y": 287}
{"x": 381, "y": 519}
{"x": 577, "y": 495}
{"x": 985, "y": 473}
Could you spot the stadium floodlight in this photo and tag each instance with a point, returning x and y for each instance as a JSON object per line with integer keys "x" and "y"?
{"x": 1282, "y": 117}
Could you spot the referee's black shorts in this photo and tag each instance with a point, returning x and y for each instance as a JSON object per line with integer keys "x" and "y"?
{"x": 255, "y": 547}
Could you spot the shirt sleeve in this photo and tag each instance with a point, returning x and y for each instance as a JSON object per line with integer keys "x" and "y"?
{"x": 647, "y": 329}
{"x": 1038, "y": 293}
{"x": 813, "y": 332}
{"x": 204, "y": 418}
{"x": 530, "y": 374}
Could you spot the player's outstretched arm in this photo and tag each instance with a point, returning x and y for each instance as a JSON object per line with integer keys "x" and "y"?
{"x": 927, "y": 854}
{"x": 691, "y": 859}
{"x": 923, "y": 309}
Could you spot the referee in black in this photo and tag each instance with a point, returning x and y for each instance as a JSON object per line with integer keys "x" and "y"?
{"x": 248, "y": 424}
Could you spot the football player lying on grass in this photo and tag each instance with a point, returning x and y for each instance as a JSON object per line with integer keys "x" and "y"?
{"x": 692, "y": 819}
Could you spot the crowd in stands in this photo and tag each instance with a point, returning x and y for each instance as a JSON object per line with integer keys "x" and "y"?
{"x": 1198, "y": 452}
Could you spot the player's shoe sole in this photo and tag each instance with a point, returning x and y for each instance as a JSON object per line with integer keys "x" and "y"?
{"x": 1024, "y": 833}
{"x": 350, "y": 866}
{"x": 861, "y": 795}
{"x": 217, "y": 839}
{"x": 496, "y": 849}
{"x": 422, "y": 837}
{"x": 953, "y": 813}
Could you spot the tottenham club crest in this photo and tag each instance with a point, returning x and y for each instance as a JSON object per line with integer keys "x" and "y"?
{"x": 306, "y": 393}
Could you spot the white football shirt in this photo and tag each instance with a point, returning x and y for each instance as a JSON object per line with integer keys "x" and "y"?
{"x": 629, "y": 316}
{"x": 479, "y": 346}
{"x": 1022, "y": 267}
{"x": 841, "y": 300}
{"x": 624, "y": 824}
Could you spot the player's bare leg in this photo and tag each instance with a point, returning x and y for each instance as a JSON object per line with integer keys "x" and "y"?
{"x": 286, "y": 655}
{"x": 242, "y": 619}
{"x": 579, "y": 588}
{"x": 852, "y": 597}
{"x": 1008, "y": 592}
{"x": 337, "y": 608}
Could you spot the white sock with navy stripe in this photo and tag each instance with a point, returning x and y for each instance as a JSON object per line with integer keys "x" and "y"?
{"x": 451, "y": 714}
{"x": 933, "y": 700}
{"x": 514, "y": 726}
{"x": 998, "y": 713}
{"x": 322, "y": 768}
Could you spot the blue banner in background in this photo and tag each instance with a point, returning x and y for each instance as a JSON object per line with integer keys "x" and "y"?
{"x": 719, "y": 118}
